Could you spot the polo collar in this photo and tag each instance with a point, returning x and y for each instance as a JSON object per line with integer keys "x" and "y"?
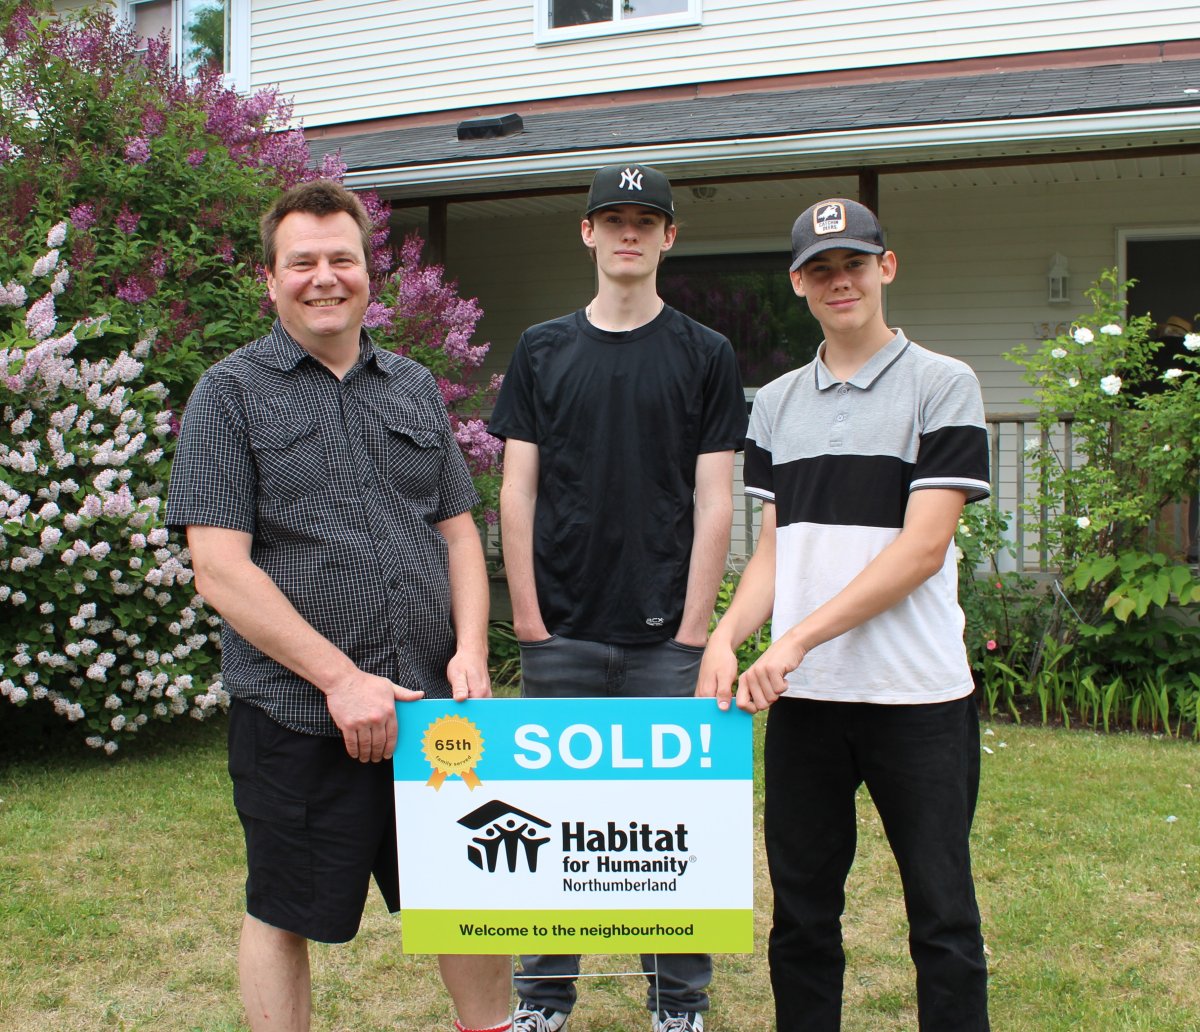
{"x": 872, "y": 370}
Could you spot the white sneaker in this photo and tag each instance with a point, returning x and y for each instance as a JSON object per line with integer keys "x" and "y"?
{"x": 539, "y": 1019}
{"x": 678, "y": 1021}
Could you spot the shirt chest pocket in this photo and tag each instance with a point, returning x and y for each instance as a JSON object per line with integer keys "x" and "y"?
{"x": 413, "y": 459}
{"x": 291, "y": 460}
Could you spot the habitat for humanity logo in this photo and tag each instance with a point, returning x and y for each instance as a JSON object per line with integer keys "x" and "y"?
{"x": 500, "y": 824}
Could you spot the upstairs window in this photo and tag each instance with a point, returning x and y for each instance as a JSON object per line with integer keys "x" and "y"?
{"x": 203, "y": 33}
{"x": 578, "y": 19}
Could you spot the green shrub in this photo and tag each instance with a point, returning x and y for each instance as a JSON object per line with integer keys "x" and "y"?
{"x": 1121, "y": 636}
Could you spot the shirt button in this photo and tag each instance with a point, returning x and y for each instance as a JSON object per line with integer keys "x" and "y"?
{"x": 841, "y": 416}
{"x": 843, "y": 389}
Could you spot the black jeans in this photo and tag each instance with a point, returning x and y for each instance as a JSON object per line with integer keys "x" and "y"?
{"x": 921, "y": 766}
{"x": 567, "y": 668}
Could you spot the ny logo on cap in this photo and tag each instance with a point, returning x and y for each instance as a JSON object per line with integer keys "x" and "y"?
{"x": 631, "y": 179}
{"x": 829, "y": 218}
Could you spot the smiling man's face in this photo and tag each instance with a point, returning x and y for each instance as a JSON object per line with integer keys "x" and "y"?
{"x": 320, "y": 284}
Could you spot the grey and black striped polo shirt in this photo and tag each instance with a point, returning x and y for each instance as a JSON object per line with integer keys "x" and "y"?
{"x": 840, "y": 460}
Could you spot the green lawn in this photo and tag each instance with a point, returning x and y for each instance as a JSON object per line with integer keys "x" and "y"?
{"x": 121, "y": 899}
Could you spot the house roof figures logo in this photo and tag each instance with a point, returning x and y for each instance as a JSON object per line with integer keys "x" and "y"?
{"x": 829, "y": 218}
{"x": 500, "y": 824}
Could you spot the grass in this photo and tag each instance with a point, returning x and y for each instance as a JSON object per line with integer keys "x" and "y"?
{"x": 121, "y": 895}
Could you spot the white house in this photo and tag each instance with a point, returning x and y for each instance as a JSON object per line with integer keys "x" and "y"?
{"x": 1001, "y": 141}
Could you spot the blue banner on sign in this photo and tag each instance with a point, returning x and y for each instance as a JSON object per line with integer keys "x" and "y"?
{"x": 562, "y": 739}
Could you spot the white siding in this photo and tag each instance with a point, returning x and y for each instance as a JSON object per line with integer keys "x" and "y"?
{"x": 973, "y": 261}
{"x": 346, "y": 60}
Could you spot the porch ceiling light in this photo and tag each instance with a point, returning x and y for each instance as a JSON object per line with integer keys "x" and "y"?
{"x": 1057, "y": 278}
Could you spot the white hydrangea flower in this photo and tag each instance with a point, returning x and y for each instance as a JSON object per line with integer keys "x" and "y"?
{"x": 1058, "y": 353}
{"x": 1083, "y": 523}
{"x": 1111, "y": 385}
{"x": 1072, "y": 381}
{"x": 1192, "y": 341}
{"x": 1083, "y": 335}
{"x": 1172, "y": 374}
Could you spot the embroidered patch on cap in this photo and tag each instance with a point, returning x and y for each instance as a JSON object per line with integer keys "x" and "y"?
{"x": 829, "y": 218}
{"x": 631, "y": 179}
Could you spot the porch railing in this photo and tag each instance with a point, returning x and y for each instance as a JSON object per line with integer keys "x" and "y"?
{"x": 1014, "y": 484}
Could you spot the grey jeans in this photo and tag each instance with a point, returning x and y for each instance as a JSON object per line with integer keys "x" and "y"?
{"x": 567, "y": 668}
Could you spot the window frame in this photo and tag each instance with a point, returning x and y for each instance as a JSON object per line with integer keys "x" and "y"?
{"x": 237, "y": 74}
{"x": 544, "y": 34}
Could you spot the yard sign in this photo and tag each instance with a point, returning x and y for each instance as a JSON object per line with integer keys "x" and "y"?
{"x": 575, "y": 826}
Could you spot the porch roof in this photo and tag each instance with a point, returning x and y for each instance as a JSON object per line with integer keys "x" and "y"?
{"x": 996, "y": 115}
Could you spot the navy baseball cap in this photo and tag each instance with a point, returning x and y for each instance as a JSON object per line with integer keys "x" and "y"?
{"x": 836, "y": 222}
{"x": 631, "y": 184}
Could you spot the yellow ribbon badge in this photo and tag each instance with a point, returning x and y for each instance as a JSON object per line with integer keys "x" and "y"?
{"x": 453, "y": 745}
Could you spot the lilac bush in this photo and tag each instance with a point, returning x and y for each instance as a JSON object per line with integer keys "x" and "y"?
{"x": 162, "y": 180}
{"x": 129, "y": 263}
{"x": 100, "y": 619}
{"x": 418, "y": 314}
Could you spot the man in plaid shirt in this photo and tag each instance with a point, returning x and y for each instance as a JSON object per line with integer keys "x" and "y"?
{"x": 327, "y": 509}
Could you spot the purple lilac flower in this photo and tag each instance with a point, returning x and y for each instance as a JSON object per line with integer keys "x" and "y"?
{"x": 225, "y": 250}
{"x": 127, "y": 221}
{"x": 8, "y": 151}
{"x": 136, "y": 289}
{"x": 83, "y": 216}
{"x": 453, "y": 392}
{"x": 481, "y": 450}
{"x": 46, "y": 264}
{"x": 332, "y": 166}
{"x": 41, "y": 319}
{"x": 377, "y": 314}
{"x": 12, "y": 294}
{"x": 158, "y": 263}
{"x": 19, "y": 26}
{"x": 196, "y": 158}
{"x": 153, "y": 121}
{"x": 137, "y": 150}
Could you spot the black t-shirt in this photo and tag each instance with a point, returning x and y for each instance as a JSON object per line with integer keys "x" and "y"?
{"x": 619, "y": 420}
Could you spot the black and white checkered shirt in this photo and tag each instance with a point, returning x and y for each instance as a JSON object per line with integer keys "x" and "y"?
{"x": 340, "y": 484}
